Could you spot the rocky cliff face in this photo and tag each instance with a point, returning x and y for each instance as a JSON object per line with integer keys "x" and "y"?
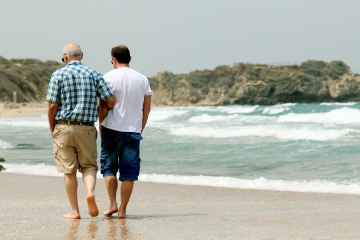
{"x": 312, "y": 81}
{"x": 243, "y": 83}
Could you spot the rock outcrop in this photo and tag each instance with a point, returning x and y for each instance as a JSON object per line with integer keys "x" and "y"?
{"x": 243, "y": 83}
{"x": 310, "y": 82}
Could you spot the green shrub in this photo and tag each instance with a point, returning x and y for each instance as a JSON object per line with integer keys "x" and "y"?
{"x": 313, "y": 68}
{"x": 253, "y": 73}
{"x": 336, "y": 69}
{"x": 194, "y": 95}
{"x": 231, "y": 93}
{"x": 303, "y": 78}
{"x": 1, "y": 166}
{"x": 154, "y": 83}
{"x": 220, "y": 68}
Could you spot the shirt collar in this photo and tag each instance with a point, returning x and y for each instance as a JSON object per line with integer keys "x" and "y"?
{"x": 76, "y": 62}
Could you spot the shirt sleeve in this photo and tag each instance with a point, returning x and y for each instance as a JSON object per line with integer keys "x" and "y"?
{"x": 53, "y": 92}
{"x": 148, "y": 90}
{"x": 104, "y": 89}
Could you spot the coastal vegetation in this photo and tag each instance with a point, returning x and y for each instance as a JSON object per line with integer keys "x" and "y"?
{"x": 29, "y": 78}
{"x": 1, "y": 166}
{"x": 312, "y": 81}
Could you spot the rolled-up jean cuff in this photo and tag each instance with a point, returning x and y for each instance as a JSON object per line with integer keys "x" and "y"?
{"x": 109, "y": 174}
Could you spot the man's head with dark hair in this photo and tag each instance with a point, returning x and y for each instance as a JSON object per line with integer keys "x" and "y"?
{"x": 121, "y": 54}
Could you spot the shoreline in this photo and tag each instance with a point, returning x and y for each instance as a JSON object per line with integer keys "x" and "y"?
{"x": 259, "y": 184}
{"x": 32, "y": 109}
{"x": 32, "y": 207}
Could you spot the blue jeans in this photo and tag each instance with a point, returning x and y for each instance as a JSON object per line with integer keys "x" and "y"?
{"x": 120, "y": 151}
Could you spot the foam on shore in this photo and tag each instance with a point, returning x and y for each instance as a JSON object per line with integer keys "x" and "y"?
{"x": 318, "y": 186}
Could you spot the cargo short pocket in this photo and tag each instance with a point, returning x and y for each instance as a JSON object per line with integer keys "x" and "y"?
{"x": 94, "y": 156}
{"x": 55, "y": 151}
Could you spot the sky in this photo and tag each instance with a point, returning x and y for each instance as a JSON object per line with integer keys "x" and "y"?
{"x": 183, "y": 36}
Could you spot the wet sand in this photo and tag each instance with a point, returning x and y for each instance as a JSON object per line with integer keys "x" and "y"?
{"x": 31, "y": 208}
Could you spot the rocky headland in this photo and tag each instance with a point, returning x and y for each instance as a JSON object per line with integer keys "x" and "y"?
{"x": 243, "y": 83}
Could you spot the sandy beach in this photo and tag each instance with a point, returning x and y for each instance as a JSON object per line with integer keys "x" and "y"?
{"x": 32, "y": 206}
{"x": 23, "y": 109}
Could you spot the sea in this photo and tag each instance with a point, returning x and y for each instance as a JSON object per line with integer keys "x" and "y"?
{"x": 286, "y": 147}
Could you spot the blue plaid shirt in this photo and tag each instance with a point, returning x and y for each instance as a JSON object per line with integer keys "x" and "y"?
{"x": 76, "y": 89}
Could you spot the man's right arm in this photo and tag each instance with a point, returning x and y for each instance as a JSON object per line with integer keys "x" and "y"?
{"x": 110, "y": 102}
{"x": 52, "y": 110}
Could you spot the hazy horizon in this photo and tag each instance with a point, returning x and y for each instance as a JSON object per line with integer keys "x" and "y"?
{"x": 183, "y": 36}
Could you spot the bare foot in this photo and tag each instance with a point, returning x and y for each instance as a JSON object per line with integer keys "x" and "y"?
{"x": 108, "y": 213}
{"x": 122, "y": 214}
{"x": 72, "y": 215}
{"x": 93, "y": 209}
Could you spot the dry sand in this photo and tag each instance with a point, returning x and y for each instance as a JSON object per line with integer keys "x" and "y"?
{"x": 31, "y": 208}
{"x": 23, "y": 109}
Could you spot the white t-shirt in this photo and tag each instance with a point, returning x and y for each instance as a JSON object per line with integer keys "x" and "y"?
{"x": 129, "y": 88}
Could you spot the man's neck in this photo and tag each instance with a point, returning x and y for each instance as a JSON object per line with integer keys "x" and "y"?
{"x": 122, "y": 65}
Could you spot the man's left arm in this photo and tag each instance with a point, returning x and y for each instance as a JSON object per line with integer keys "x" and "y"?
{"x": 146, "y": 111}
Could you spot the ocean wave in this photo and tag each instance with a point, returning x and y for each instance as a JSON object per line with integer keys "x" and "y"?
{"x": 316, "y": 186}
{"x": 206, "y": 118}
{"x": 338, "y": 104}
{"x": 274, "y": 110}
{"x": 337, "y": 116}
{"x": 25, "y": 122}
{"x": 237, "y": 109}
{"x": 5, "y": 145}
{"x": 160, "y": 114}
{"x": 28, "y": 123}
{"x": 279, "y": 132}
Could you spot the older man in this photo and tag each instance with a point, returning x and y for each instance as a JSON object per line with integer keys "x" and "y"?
{"x": 73, "y": 94}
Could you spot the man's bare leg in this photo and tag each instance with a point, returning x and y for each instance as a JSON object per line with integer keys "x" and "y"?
{"x": 125, "y": 194}
{"x": 71, "y": 185}
{"x": 89, "y": 178}
{"x": 111, "y": 185}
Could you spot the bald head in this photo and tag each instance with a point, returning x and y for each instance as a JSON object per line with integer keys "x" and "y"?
{"x": 72, "y": 51}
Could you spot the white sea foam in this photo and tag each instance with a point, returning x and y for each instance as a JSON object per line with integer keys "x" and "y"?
{"x": 160, "y": 114}
{"x": 29, "y": 122}
{"x": 338, "y": 104}
{"x": 206, "y": 118}
{"x": 274, "y": 110}
{"x": 337, "y": 116}
{"x": 278, "y": 132}
{"x": 40, "y": 122}
{"x": 34, "y": 169}
{"x": 5, "y": 145}
{"x": 31, "y": 169}
{"x": 287, "y": 104}
{"x": 318, "y": 186}
{"x": 237, "y": 109}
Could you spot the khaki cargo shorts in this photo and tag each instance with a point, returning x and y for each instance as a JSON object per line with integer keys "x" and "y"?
{"x": 74, "y": 147}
